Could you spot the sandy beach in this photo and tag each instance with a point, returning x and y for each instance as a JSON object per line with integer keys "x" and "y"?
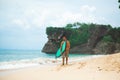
{"x": 102, "y": 68}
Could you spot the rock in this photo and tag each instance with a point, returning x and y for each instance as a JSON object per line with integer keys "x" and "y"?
{"x": 96, "y": 35}
{"x": 49, "y": 47}
{"x": 106, "y": 48}
{"x": 81, "y": 49}
{"x": 95, "y": 45}
{"x": 117, "y": 46}
{"x": 103, "y": 48}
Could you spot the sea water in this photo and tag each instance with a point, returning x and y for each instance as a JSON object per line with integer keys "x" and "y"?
{"x": 12, "y": 59}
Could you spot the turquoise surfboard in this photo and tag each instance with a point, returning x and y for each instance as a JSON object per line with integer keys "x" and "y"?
{"x": 61, "y": 51}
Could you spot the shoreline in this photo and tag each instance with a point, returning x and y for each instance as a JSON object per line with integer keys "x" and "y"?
{"x": 106, "y": 67}
{"x": 41, "y": 62}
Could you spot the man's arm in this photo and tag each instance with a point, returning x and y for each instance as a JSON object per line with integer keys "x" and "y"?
{"x": 61, "y": 45}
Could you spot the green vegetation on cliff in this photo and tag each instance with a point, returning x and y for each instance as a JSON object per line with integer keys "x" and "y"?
{"x": 79, "y": 33}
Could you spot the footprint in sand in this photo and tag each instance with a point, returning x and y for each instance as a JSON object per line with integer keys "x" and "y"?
{"x": 99, "y": 69}
{"x": 81, "y": 65}
{"x": 63, "y": 66}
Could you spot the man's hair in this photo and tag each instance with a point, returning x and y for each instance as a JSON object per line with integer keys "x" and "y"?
{"x": 63, "y": 34}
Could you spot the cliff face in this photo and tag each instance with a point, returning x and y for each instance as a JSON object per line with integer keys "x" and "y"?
{"x": 94, "y": 45}
{"x": 106, "y": 48}
{"x": 97, "y": 34}
{"x": 50, "y": 47}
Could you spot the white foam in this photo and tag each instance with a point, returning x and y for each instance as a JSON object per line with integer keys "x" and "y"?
{"x": 15, "y": 66}
{"x": 26, "y": 63}
{"x": 84, "y": 58}
{"x": 39, "y": 61}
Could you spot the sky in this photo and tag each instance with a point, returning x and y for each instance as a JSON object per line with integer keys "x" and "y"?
{"x": 23, "y": 22}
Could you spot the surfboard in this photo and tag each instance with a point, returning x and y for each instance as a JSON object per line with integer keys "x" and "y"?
{"x": 61, "y": 51}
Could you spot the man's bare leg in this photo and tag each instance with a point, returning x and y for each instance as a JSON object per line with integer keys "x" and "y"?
{"x": 63, "y": 60}
{"x": 66, "y": 60}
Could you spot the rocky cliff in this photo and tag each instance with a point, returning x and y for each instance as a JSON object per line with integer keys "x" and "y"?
{"x": 94, "y": 45}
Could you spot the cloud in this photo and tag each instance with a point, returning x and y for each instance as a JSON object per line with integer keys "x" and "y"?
{"x": 87, "y": 8}
{"x": 43, "y": 13}
{"x": 85, "y": 14}
{"x": 41, "y": 16}
{"x": 18, "y": 22}
{"x": 21, "y": 23}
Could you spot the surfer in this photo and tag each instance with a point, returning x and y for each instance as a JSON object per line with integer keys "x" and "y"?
{"x": 65, "y": 55}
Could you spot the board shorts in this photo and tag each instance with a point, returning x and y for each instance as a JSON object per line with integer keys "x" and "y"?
{"x": 65, "y": 54}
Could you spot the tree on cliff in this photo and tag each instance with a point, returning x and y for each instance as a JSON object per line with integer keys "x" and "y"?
{"x": 69, "y": 26}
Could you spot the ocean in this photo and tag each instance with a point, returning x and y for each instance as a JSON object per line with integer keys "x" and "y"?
{"x": 12, "y": 59}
